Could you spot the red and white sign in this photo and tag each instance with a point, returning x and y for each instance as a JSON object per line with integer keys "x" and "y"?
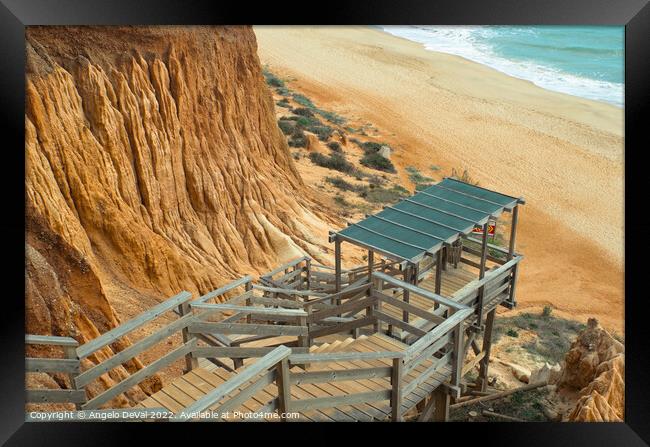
{"x": 492, "y": 225}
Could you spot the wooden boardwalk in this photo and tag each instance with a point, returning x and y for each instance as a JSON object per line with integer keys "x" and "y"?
{"x": 195, "y": 384}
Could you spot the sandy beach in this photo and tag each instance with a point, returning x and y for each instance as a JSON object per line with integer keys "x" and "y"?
{"x": 563, "y": 154}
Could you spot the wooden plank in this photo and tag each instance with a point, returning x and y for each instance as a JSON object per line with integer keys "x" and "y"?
{"x": 288, "y": 291}
{"x": 436, "y": 365}
{"x": 55, "y": 396}
{"x": 338, "y": 375}
{"x": 236, "y": 328}
{"x": 236, "y": 381}
{"x": 52, "y": 365}
{"x": 428, "y": 352}
{"x": 50, "y": 340}
{"x": 472, "y": 363}
{"x": 234, "y": 402}
{"x": 276, "y": 302}
{"x": 283, "y": 267}
{"x": 249, "y": 310}
{"x": 140, "y": 375}
{"x": 399, "y": 323}
{"x": 342, "y": 356}
{"x": 111, "y": 336}
{"x": 353, "y": 305}
{"x": 221, "y": 290}
{"x": 91, "y": 374}
{"x": 336, "y": 401}
{"x": 243, "y": 352}
{"x": 345, "y": 327}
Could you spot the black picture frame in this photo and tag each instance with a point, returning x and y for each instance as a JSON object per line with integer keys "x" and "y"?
{"x": 16, "y": 14}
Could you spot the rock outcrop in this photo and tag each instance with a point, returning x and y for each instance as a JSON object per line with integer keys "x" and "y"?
{"x": 153, "y": 164}
{"x": 595, "y": 366}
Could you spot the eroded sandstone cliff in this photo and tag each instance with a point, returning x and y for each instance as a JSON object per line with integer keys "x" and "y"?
{"x": 595, "y": 366}
{"x": 154, "y": 164}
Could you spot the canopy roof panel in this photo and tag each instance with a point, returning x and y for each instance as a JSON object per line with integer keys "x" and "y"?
{"x": 423, "y": 223}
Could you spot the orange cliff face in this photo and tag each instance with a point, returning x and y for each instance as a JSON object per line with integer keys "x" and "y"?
{"x": 154, "y": 164}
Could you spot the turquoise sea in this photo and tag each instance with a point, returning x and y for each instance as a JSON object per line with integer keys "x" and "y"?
{"x": 585, "y": 61}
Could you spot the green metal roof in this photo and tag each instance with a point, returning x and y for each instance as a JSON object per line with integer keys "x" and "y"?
{"x": 423, "y": 223}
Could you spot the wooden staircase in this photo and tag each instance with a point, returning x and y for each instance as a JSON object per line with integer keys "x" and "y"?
{"x": 187, "y": 389}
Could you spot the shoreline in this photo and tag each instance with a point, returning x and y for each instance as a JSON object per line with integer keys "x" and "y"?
{"x": 505, "y": 73}
{"x": 561, "y": 152}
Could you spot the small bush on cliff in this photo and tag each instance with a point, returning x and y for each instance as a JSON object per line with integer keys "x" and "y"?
{"x": 376, "y": 161}
{"x": 303, "y": 100}
{"x": 284, "y": 102}
{"x": 464, "y": 177}
{"x": 302, "y": 111}
{"x": 298, "y": 138}
{"x": 323, "y": 132}
{"x": 286, "y": 126}
{"x": 343, "y": 185}
{"x": 333, "y": 145}
{"x": 272, "y": 79}
{"x": 335, "y": 161}
{"x": 385, "y": 195}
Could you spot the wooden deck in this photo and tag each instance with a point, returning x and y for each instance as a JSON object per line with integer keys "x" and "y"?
{"x": 195, "y": 384}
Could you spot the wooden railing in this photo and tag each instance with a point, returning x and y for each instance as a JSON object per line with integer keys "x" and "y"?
{"x": 270, "y": 368}
{"x": 482, "y": 293}
{"x": 69, "y": 365}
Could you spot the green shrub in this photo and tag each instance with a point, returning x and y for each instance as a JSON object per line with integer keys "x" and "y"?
{"x": 335, "y": 161}
{"x": 286, "y": 126}
{"x": 376, "y": 161}
{"x": 343, "y": 185}
{"x": 512, "y": 333}
{"x": 323, "y": 132}
{"x": 284, "y": 103}
{"x": 298, "y": 138}
{"x": 304, "y": 121}
{"x": 303, "y": 100}
{"x": 271, "y": 79}
{"x": 464, "y": 177}
{"x": 331, "y": 117}
{"x": 547, "y": 311}
{"x": 369, "y": 147}
{"x": 302, "y": 111}
{"x": 416, "y": 177}
{"x": 333, "y": 145}
{"x": 385, "y": 195}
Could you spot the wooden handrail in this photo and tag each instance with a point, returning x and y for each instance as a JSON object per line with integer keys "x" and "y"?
{"x": 109, "y": 337}
{"x": 50, "y": 340}
{"x": 250, "y": 372}
{"x": 419, "y": 291}
{"x": 285, "y": 266}
{"x": 247, "y": 310}
{"x": 221, "y": 290}
{"x": 449, "y": 324}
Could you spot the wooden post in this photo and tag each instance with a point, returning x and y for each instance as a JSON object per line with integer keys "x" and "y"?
{"x": 438, "y": 271}
{"x": 481, "y": 274}
{"x": 396, "y": 394}
{"x": 513, "y": 231}
{"x": 284, "y": 387}
{"x": 308, "y": 270}
{"x": 406, "y": 293}
{"x": 71, "y": 353}
{"x": 457, "y": 362}
{"x": 190, "y": 362}
{"x": 441, "y": 399}
{"x": 377, "y": 285}
{"x": 487, "y": 345}
{"x": 371, "y": 260}
{"x": 337, "y": 264}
